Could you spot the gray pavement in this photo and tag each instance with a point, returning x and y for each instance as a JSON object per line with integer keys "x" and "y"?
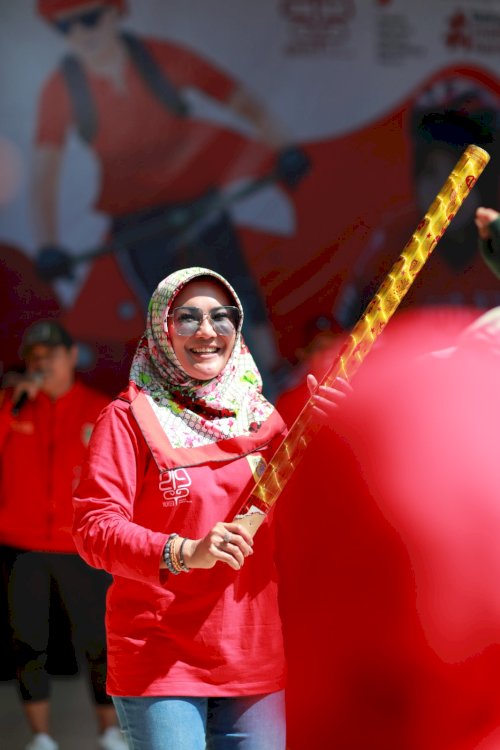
{"x": 73, "y": 721}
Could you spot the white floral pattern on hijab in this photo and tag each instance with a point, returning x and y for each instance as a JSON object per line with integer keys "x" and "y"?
{"x": 193, "y": 412}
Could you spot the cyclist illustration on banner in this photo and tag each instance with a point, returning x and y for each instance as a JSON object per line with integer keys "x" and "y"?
{"x": 162, "y": 167}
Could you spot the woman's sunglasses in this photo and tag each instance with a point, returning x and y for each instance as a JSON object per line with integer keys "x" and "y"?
{"x": 187, "y": 320}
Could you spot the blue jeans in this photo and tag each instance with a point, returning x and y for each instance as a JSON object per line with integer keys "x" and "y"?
{"x": 253, "y": 722}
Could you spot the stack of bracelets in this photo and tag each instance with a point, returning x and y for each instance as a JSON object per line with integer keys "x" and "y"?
{"x": 173, "y": 556}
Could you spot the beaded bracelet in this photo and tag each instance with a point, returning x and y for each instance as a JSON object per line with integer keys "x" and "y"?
{"x": 184, "y": 567}
{"x": 167, "y": 555}
{"x": 174, "y": 558}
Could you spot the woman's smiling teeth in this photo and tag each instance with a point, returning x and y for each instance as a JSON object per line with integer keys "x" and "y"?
{"x": 205, "y": 350}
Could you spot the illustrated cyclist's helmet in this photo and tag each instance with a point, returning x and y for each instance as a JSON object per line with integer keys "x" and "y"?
{"x": 49, "y": 9}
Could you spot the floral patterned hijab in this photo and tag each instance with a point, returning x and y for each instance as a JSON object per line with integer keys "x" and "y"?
{"x": 194, "y": 412}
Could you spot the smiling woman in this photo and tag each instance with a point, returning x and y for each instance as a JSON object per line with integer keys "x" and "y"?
{"x": 170, "y": 463}
{"x": 202, "y": 328}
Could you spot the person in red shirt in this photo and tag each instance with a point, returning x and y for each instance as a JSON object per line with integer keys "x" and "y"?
{"x": 46, "y": 418}
{"x": 161, "y": 158}
{"x": 176, "y": 454}
{"x": 194, "y": 634}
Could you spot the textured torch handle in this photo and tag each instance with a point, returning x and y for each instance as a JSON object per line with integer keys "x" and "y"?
{"x": 373, "y": 321}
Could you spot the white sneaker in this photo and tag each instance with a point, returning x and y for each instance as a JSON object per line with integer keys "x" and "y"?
{"x": 42, "y": 741}
{"x": 111, "y": 739}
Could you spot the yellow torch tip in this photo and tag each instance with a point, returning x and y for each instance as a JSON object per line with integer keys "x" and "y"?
{"x": 478, "y": 153}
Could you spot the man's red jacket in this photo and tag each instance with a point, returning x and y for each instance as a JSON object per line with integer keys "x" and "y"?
{"x": 41, "y": 452}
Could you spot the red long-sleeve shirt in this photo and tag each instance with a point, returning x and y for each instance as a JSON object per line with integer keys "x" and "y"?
{"x": 208, "y": 632}
{"x": 42, "y": 450}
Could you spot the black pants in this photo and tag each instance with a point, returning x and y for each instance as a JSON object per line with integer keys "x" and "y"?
{"x": 82, "y": 590}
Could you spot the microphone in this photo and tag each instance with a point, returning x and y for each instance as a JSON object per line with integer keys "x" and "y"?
{"x": 36, "y": 377}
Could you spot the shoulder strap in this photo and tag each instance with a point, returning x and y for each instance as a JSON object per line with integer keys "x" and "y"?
{"x": 84, "y": 111}
{"x": 154, "y": 77}
{"x": 82, "y": 104}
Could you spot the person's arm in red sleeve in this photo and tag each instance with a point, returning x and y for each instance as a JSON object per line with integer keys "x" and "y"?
{"x": 53, "y": 123}
{"x": 14, "y": 386}
{"x": 104, "y": 532}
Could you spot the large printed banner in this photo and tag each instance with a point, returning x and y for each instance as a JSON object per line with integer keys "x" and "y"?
{"x": 292, "y": 145}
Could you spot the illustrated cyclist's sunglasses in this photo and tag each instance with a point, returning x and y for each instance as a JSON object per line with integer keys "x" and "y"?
{"x": 87, "y": 18}
{"x": 187, "y": 320}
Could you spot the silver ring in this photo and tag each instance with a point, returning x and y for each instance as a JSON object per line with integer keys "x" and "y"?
{"x": 226, "y": 538}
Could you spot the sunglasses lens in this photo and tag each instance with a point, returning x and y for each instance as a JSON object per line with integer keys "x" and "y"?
{"x": 89, "y": 19}
{"x": 223, "y": 320}
{"x": 62, "y": 26}
{"x": 187, "y": 320}
{"x": 92, "y": 17}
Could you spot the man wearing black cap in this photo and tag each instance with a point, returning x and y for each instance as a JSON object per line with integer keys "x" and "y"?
{"x": 46, "y": 418}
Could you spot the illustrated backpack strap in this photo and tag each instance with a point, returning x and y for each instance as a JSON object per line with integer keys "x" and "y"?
{"x": 155, "y": 78}
{"x": 82, "y": 103}
{"x": 84, "y": 111}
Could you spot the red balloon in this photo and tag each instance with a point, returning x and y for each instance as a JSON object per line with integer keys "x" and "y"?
{"x": 387, "y": 542}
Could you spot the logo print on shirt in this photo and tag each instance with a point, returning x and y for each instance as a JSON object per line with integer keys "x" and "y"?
{"x": 174, "y": 485}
